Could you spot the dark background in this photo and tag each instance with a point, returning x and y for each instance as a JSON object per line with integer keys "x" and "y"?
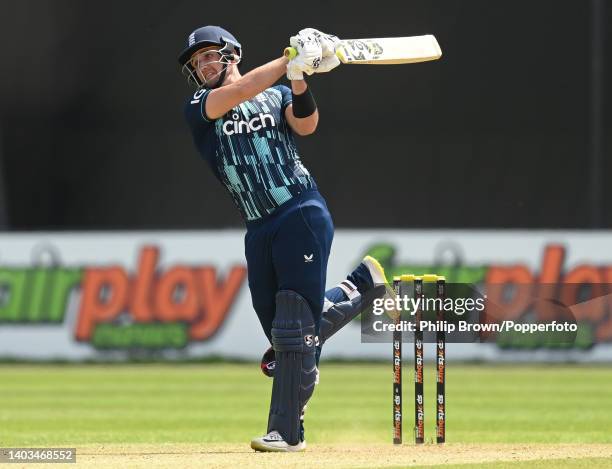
{"x": 498, "y": 133}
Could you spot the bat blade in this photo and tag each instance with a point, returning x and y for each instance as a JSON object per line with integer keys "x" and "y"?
{"x": 389, "y": 50}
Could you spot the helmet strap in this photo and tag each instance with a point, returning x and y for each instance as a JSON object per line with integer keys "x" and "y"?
{"x": 220, "y": 80}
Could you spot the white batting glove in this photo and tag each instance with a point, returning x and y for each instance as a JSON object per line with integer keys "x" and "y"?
{"x": 308, "y": 56}
{"x": 308, "y": 49}
{"x": 327, "y": 64}
{"x": 296, "y": 69}
{"x": 328, "y": 41}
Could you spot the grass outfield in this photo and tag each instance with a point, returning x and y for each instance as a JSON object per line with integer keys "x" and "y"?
{"x": 211, "y": 411}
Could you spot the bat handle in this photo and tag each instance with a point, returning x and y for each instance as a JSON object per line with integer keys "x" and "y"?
{"x": 290, "y": 52}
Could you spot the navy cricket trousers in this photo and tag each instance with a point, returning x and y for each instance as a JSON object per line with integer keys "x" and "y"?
{"x": 289, "y": 251}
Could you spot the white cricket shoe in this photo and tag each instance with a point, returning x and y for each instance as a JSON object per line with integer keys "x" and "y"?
{"x": 376, "y": 270}
{"x": 273, "y": 442}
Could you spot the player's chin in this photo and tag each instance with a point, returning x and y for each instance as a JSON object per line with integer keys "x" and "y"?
{"x": 213, "y": 82}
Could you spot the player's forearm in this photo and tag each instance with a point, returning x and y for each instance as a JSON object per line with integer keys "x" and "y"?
{"x": 306, "y": 125}
{"x": 262, "y": 78}
{"x": 298, "y": 86}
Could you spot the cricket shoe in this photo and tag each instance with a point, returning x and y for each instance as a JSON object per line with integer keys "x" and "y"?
{"x": 368, "y": 275}
{"x": 376, "y": 270}
{"x": 377, "y": 274}
{"x": 273, "y": 443}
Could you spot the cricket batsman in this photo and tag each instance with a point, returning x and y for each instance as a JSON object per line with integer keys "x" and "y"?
{"x": 244, "y": 126}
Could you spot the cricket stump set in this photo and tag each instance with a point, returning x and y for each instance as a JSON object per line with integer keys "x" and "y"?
{"x": 419, "y": 409}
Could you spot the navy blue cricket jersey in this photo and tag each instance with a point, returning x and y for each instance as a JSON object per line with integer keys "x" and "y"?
{"x": 251, "y": 150}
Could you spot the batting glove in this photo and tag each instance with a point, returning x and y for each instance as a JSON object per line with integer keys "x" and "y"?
{"x": 327, "y": 64}
{"x": 328, "y": 42}
{"x": 308, "y": 56}
{"x": 296, "y": 69}
{"x": 308, "y": 48}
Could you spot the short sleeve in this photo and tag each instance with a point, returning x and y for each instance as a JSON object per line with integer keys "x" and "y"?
{"x": 195, "y": 113}
{"x": 287, "y": 97}
{"x": 202, "y": 129}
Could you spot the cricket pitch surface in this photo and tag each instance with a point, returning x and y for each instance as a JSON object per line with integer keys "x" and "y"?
{"x": 348, "y": 456}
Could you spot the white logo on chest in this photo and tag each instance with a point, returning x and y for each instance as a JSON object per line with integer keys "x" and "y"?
{"x": 236, "y": 126}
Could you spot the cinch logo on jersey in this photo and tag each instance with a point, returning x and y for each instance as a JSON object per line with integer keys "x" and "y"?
{"x": 235, "y": 126}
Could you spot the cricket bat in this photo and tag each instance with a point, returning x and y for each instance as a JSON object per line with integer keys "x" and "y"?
{"x": 384, "y": 51}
